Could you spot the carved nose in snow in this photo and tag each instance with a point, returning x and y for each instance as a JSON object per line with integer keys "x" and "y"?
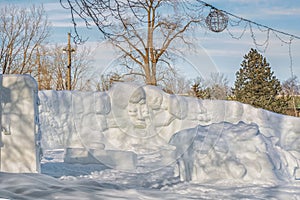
{"x": 140, "y": 115}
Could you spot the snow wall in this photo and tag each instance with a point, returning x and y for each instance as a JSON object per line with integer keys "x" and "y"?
{"x": 19, "y": 137}
{"x": 207, "y": 139}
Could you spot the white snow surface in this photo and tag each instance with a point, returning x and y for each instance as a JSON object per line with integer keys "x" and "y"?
{"x": 180, "y": 148}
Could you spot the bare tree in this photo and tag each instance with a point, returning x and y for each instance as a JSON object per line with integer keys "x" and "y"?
{"x": 22, "y": 31}
{"x": 218, "y": 84}
{"x": 291, "y": 86}
{"x": 291, "y": 90}
{"x": 213, "y": 87}
{"x": 106, "y": 80}
{"x": 43, "y": 69}
{"x": 144, "y": 31}
{"x": 51, "y": 68}
{"x": 174, "y": 83}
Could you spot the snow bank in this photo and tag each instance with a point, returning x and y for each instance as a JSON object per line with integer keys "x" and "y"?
{"x": 114, "y": 186}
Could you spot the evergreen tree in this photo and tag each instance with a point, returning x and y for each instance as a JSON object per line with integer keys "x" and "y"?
{"x": 257, "y": 85}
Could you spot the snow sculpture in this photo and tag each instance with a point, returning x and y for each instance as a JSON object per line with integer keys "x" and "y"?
{"x": 122, "y": 160}
{"x": 55, "y": 118}
{"x": 157, "y": 102}
{"x": 134, "y": 129}
{"x": 89, "y": 116}
{"x": 87, "y": 144}
{"x": 226, "y": 151}
{"x": 19, "y": 137}
{"x": 133, "y": 121}
{"x": 284, "y": 131}
{"x": 127, "y": 117}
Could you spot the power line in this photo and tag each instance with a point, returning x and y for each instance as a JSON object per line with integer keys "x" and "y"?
{"x": 249, "y": 21}
{"x": 265, "y": 43}
{"x": 261, "y": 27}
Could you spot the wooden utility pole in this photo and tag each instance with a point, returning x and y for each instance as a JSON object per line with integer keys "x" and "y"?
{"x": 1, "y": 144}
{"x": 69, "y": 50}
{"x": 39, "y": 69}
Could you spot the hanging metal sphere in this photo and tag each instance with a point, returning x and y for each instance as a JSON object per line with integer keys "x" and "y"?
{"x": 216, "y": 21}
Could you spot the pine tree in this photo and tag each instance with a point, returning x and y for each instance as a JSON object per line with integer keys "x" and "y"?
{"x": 257, "y": 85}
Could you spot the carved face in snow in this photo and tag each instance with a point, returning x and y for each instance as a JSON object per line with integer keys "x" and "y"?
{"x": 138, "y": 110}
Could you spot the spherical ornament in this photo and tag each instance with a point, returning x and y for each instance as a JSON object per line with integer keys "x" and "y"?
{"x": 216, "y": 21}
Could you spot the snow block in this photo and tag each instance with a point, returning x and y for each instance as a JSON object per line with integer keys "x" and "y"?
{"x": 19, "y": 138}
{"x": 122, "y": 160}
{"x": 79, "y": 155}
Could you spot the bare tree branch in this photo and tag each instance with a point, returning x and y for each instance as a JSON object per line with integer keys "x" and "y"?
{"x": 141, "y": 30}
{"x": 22, "y": 31}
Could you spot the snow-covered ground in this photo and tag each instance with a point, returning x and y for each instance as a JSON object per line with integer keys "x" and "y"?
{"x": 177, "y": 148}
{"x": 98, "y": 182}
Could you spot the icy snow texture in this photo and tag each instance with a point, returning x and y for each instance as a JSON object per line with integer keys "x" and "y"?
{"x": 142, "y": 120}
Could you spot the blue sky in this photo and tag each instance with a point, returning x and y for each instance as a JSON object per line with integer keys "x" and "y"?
{"x": 217, "y": 52}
